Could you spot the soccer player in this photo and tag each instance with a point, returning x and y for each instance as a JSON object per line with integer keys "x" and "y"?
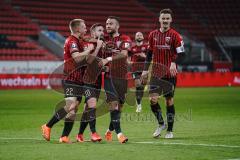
{"x": 165, "y": 48}
{"x": 92, "y": 84}
{"x": 74, "y": 56}
{"x": 115, "y": 81}
{"x": 138, "y": 56}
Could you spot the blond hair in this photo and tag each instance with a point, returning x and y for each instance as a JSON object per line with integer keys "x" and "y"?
{"x": 75, "y": 23}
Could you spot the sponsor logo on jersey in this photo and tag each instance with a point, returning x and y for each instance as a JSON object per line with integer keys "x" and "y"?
{"x": 163, "y": 46}
{"x": 167, "y": 40}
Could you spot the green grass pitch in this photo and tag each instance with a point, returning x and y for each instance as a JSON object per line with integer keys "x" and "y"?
{"x": 207, "y": 127}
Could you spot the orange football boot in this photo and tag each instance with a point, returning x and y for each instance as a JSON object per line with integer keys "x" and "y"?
{"x": 64, "y": 139}
{"x": 108, "y": 136}
{"x": 80, "y": 138}
{"x": 122, "y": 139}
{"x": 46, "y": 132}
{"x": 95, "y": 137}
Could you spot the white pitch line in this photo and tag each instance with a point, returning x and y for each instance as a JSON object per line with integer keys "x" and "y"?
{"x": 19, "y": 138}
{"x": 189, "y": 144}
{"x": 147, "y": 142}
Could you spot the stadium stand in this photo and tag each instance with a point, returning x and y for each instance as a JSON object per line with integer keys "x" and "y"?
{"x": 202, "y": 20}
{"x": 17, "y": 34}
{"x": 55, "y": 16}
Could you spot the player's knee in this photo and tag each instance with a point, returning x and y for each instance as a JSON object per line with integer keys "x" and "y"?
{"x": 76, "y": 108}
{"x": 120, "y": 106}
{"x": 71, "y": 104}
{"x": 113, "y": 105}
{"x": 169, "y": 101}
{"x": 92, "y": 102}
{"x": 154, "y": 100}
{"x": 73, "y": 107}
{"x": 71, "y": 115}
{"x": 138, "y": 83}
{"x": 77, "y": 103}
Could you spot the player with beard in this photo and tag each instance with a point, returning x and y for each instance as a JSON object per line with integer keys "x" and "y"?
{"x": 92, "y": 83}
{"x": 138, "y": 56}
{"x": 115, "y": 81}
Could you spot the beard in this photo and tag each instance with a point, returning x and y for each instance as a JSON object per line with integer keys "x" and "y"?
{"x": 101, "y": 37}
{"x": 165, "y": 25}
{"x": 139, "y": 40}
{"x": 111, "y": 31}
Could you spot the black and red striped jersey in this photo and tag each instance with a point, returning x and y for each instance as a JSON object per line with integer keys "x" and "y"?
{"x": 93, "y": 70}
{"x": 118, "y": 68}
{"x": 165, "y": 47}
{"x": 73, "y": 71}
{"x": 138, "y": 61}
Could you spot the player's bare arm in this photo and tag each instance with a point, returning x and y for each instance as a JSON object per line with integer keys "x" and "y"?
{"x": 119, "y": 55}
{"x": 80, "y": 56}
{"x": 141, "y": 54}
{"x": 147, "y": 63}
{"x": 173, "y": 69}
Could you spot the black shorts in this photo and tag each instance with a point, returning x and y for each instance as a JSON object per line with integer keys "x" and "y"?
{"x": 163, "y": 86}
{"x": 136, "y": 75}
{"x": 93, "y": 90}
{"x": 73, "y": 89}
{"x": 115, "y": 89}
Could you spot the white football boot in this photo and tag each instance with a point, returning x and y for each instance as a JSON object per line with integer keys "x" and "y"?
{"x": 139, "y": 108}
{"x": 169, "y": 135}
{"x": 158, "y": 131}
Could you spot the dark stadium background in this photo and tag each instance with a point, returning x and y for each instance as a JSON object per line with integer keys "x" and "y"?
{"x": 32, "y": 34}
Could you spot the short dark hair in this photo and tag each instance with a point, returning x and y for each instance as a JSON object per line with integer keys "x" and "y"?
{"x": 95, "y": 25}
{"x": 114, "y": 17}
{"x": 166, "y": 11}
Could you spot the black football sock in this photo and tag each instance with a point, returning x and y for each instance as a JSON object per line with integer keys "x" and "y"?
{"x": 83, "y": 122}
{"x": 92, "y": 119}
{"x": 156, "y": 109}
{"x": 139, "y": 94}
{"x": 138, "y": 101}
{"x": 60, "y": 114}
{"x": 115, "y": 119}
{"x": 111, "y": 128}
{"x": 68, "y": 125}
{"x": 170, "y": 117}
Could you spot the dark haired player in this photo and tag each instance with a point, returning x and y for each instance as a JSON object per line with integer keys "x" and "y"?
{"x": 138, "y": 56}
{"x": 165, "y": 48}
{"x": 115, "y": 82}
{"x": 92, "y": 83}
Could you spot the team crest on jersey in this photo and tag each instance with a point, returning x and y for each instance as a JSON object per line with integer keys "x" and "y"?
{"x": 167, "y": 40}
{"x": 74, "y": 45}
{"x": 134, "y": 50}
{"x": 143, "y": 48}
